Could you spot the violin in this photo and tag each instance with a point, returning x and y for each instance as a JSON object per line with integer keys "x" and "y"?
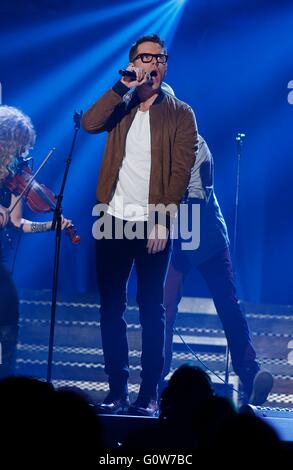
{"x": 38, "y": 197}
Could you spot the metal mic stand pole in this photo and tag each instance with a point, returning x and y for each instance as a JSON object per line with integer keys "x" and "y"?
{"x": 56, "y": 224}
{"x": 239, "y": 140}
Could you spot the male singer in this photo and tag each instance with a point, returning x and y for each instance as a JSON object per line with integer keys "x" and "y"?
{"x": 150, "y": 150}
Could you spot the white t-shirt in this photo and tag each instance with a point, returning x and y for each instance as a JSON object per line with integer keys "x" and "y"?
{"x": 134, "y": 175}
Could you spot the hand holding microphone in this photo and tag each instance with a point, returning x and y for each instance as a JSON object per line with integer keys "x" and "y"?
{"x": 133, "y": 77}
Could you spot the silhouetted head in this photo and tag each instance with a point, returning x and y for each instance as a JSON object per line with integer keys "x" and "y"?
{"x": 188, "y": 388}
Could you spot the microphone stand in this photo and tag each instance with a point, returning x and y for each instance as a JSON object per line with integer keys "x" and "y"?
{"x": 239, "y": 140}
{"x": 56, "y": 224}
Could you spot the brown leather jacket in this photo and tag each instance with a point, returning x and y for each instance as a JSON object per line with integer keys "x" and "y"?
{"x": 174, "y": 142}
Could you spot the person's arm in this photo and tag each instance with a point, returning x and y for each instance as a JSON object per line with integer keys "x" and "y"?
{"x": 105, "y": 112}
{"x": 100, "y": 115}
{"x": 28, "y": 226}
{"x": 200, "y": 186}
{"x": 184, "y": 154}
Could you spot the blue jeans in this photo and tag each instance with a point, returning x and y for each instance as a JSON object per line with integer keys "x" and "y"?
{"x": 218, "y": 274}
{"x": 115, "y": 258}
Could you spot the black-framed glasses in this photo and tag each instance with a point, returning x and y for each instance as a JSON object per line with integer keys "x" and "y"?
{"x": 146, "y": 58}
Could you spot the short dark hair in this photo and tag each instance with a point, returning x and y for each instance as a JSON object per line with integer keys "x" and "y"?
{"x": 149, "y": 38}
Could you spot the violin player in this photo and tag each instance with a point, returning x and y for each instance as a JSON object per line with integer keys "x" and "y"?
{"x": 17, "y": 136}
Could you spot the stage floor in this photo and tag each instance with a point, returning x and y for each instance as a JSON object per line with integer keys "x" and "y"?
{"x": 78, "y": 359}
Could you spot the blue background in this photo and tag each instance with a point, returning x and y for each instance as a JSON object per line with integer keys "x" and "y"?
{"x": 230, "y": 60}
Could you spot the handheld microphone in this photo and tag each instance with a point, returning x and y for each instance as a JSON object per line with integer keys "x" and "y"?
{"x": 132, "y": 74}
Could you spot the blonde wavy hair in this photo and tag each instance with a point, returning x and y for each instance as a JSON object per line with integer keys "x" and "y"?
{"x": 17, "y": 135}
